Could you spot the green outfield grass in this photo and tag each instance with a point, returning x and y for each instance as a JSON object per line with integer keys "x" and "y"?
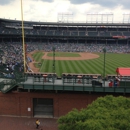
{"x": 93, "y": 66}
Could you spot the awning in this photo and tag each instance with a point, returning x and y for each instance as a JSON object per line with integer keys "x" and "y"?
{"x": 123, "y": 71}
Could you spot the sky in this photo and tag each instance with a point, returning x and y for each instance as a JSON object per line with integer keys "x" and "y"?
{"x": 66, "y": 10}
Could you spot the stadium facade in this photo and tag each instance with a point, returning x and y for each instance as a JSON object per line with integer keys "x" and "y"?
{"x": 33, "y": 95}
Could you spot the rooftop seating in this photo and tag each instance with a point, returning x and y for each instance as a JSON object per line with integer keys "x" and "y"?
{"x": 41, "y": 77}
{"x": 93, "y": 76}
{"x": 80, "y": 78}
{"x": 37, "y": 74}
{"x": 111, "y": 76}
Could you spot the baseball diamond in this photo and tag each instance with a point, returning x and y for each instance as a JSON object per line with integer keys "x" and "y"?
{"x": 82, "y": 63}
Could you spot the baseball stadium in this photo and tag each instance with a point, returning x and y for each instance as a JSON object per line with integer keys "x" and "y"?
{"x": 49, "y": 68}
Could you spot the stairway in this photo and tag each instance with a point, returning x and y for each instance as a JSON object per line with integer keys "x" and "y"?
{"x": 7, "y": 85}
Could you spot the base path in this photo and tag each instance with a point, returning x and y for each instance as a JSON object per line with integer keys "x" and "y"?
{"x": 83, "y": 56}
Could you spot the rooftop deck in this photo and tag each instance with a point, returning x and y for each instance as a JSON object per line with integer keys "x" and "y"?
{"x": 74, "y": 82}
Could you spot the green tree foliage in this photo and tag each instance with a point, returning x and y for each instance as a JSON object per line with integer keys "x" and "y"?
{"x": 105, "y": 113}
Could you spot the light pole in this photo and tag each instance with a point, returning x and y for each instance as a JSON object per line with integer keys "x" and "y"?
{"x": 54, "y": 60}
{"x": 104, "y": 51}
{"x": 53, "y": 63}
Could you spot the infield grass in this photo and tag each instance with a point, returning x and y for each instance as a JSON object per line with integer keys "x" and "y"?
{"x": 91, "y": 66}
{"x": 64, "y": 54}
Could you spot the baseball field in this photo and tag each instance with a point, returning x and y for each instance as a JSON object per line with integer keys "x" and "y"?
{"x": 86, "y": 63}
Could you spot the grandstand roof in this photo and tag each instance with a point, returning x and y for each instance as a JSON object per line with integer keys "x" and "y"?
{"x": 123, "y": 71}
{"x": 65, "y": 24}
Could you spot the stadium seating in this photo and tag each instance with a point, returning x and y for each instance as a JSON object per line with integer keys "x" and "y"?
{"x": 66, "y": 33}
{"x": 116, "y": 33}
{"x": 74, "y": 33}
{"x": 122, "y": 29}
{"x": 72, "y": 28}
{"x": 112, "y": 29}
{"x": 50, "y": 33}
{"x": 52, "y": 28}
{"x": 81, "y": 29}
{"x": 58, "y": 33}
{"x": 91, "y": 29}
{"x": 92, "y": 33}
{"x": 106, "y": 34}
{"x": 82, "y": 33}
{"x": 126, "y": 33}
{"x": 102, "y": 29}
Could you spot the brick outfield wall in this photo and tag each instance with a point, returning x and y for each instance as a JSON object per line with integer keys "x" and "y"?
{"x": 17, "y": 103}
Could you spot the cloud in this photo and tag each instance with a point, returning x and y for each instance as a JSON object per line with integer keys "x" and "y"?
{"x": 105, "y": 3}
{"x": 44, "y": 10}
{"x": 44, "y": 0}
{"x": 5, "y": 2}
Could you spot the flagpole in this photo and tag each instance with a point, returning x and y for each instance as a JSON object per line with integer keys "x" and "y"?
{"x": 24, "y": 51}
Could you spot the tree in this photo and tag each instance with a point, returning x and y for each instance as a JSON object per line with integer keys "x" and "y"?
{"x": 105, "y": 113}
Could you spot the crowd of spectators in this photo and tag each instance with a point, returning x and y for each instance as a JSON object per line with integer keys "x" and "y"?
{"x": 10, "y": 59}
{"x": 11, "y": 54}
{"x": 79, "y": 47}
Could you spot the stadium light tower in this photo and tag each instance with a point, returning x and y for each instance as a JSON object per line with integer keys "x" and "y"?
{"x": 126, "y": 18}
{"x": 107, "y": 17}
{"x": 24, "y": 47}
{"x": 65, "y": 17}
{"x": 99, "y": 17}
{"x": 92, "y": 17}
